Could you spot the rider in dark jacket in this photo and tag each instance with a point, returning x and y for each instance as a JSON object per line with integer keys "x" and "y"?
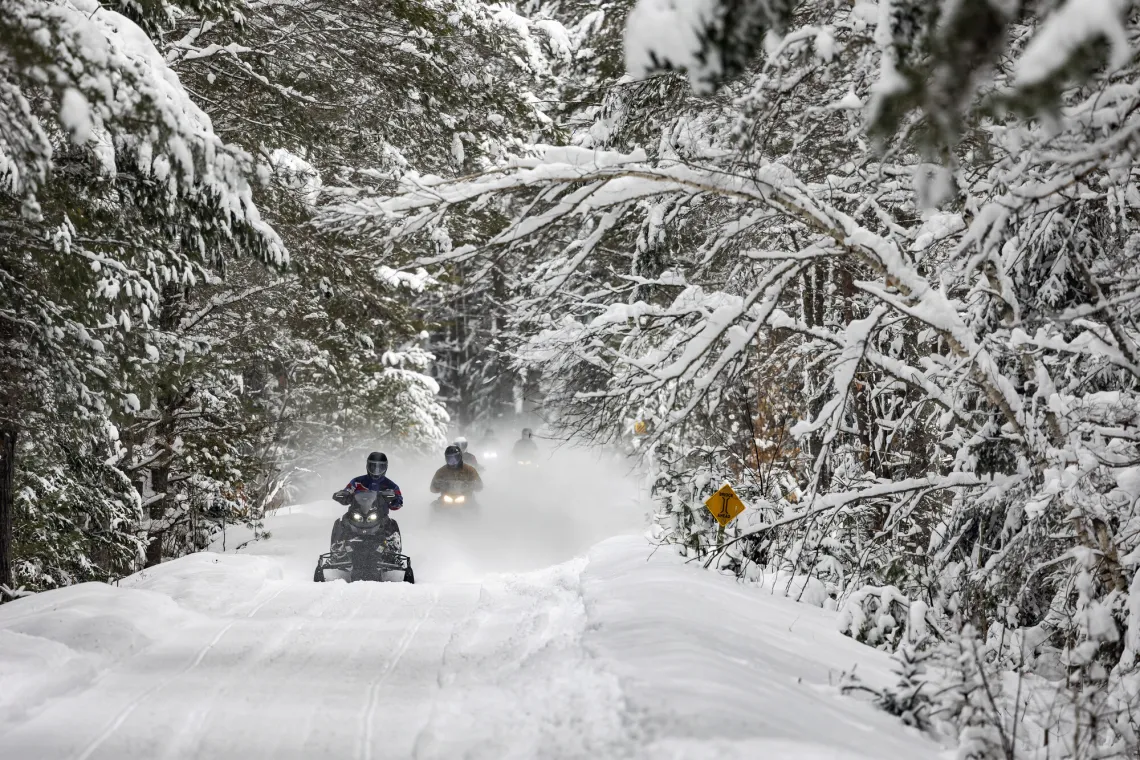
{"x": 376, "y": 480}
{"x": 455, "y": 475}
{"x": 373, "y": 480}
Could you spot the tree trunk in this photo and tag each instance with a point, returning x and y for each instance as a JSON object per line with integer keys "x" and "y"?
{"x": 159, "y": 484}
{"x": 812, "y": 302}
{"x": 7, "y": 499}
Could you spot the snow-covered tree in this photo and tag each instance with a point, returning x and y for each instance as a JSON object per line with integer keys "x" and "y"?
{"x": 149, "y": 145}
{"x": 114, "y": 186}
{"x": 935, "y": 286}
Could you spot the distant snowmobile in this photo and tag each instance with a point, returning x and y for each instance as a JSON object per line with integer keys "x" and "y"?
{"x": 525, "y": 451}
{"x": 490, "y": 448}
{"x": 365, "y": 541}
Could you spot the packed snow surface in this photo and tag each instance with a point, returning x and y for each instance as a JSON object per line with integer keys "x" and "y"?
{"x": 612, "y": 651}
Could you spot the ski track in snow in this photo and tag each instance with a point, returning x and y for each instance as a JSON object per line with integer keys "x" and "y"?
{"x": 604, "y": 656}
{"x": 368, "y": 716}
{"x": 130, "y": 708}
{"x": 125, "y": 713}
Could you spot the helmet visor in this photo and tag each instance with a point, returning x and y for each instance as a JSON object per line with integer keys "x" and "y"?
{"x": 377, "y": 468}
{"x": 454, "y": 460}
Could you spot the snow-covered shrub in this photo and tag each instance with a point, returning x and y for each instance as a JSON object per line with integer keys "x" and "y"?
{"x": 912, "y": 697}
{"x": 884, "y": 617}
{"x": 76, "y": 510}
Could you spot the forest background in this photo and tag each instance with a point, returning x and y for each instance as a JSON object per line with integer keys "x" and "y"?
{"x": 873, "y": 263}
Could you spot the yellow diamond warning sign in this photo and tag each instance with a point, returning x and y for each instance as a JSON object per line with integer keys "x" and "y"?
{"x": 725, "y": 505}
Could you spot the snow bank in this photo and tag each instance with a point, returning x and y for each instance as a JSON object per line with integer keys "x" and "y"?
{"x": 713, "y": 668}
{"x": 211, "y": 583}
{"x": 59, "y": 642}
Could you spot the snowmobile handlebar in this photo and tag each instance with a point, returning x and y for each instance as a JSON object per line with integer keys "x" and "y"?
{"x": 344, "y": 496}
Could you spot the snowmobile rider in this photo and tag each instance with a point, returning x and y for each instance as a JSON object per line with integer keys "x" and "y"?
{"x": 490, "y": 445}
{"x": 455, "y": 476}
{"x": 525, "y": 448}
{"x": 375, "y": 479}
{"x": 468, "y": 457}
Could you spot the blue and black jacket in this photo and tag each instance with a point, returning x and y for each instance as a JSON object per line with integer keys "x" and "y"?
{"x": 369, "y": 483}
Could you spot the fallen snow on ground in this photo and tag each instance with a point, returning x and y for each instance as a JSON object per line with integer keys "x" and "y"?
{"x": 615, "y": 654}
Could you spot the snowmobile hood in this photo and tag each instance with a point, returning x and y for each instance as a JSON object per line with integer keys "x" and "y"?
{"x": 367, "y": 513}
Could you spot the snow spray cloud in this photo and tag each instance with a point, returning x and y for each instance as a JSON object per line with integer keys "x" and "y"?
{"x": 529, "y": 517}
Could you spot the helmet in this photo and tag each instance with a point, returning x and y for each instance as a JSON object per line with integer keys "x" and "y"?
{"x": 461, "y": 442}
{"x": 526, "y": 433}
{"x": 377, "y": 464}
{"x": 453, "y": 456}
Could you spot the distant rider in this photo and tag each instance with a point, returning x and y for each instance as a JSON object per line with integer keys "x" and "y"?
{"x": 490, "y": 444}
{"x": 455, "y": 476}
{"x": 525, "y": 449}
{"x": 468, "y": 457}
{"x": 375, "y": 479}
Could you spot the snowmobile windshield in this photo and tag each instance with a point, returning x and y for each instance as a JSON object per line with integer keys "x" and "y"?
{"x": 364, "y": 500}
{"x": 369, "y": 505}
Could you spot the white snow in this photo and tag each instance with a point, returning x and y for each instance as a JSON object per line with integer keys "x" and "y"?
{"x": 1074, "y": 24}
{"x": 937, "y": 226}
{"x": 659, "y": 31}
{"x": 622, "y": 652}
{"x": 75, "y": 115}
{"x": 297, "y": 174}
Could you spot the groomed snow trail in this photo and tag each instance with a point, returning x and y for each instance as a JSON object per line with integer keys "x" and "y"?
{"x": 604, "y": 656}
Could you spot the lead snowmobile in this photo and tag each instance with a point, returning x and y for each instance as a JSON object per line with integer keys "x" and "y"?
{"x": 365, "y": 541}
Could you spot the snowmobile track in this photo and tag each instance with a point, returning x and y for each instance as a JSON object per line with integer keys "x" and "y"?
{"x": 131, "y": 706}
{"x": 364, "y": 743}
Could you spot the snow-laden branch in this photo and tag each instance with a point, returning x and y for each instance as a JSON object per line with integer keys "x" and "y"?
{"x": 600, "y": 180}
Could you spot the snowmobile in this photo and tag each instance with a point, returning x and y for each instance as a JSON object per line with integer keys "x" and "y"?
{"x": 455, "y": 501}
{"x": 365, "y": 548}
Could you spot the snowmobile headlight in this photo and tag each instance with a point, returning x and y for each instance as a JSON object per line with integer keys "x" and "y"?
{"x": 460, "y": 499}
{"x": 447, "y": 499}
{"x": 374, "y": 517}
{"x": 357, "y": 516}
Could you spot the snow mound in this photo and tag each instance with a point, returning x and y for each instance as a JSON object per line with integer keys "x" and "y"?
{"x": 211, "y": 583}
{"x": 711, "y": 667}
{"x": 56, "y": 643}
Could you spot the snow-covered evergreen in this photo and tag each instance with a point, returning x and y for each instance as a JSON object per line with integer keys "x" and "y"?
{"x": 179, "y": 339}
